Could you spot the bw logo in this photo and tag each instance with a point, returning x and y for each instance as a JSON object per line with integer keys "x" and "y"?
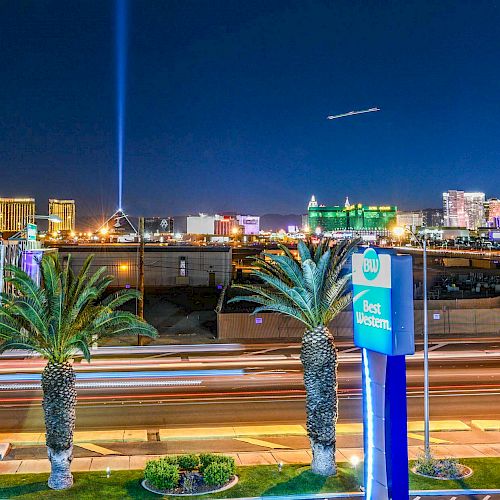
{"x": 371, "y": 264}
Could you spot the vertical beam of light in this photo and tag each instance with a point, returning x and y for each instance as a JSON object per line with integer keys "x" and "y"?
{"x": 368, "y": 425}
{"x": 121, "y": 67}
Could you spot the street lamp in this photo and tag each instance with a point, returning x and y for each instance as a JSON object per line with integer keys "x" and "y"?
{"x": 50, "y": 218}
{"x": 399, "y": 231}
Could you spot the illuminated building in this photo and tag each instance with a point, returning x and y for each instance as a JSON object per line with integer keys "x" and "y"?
{"x": 65, "y": 210}
{"x": 15, "y": 213}
{"x": 461, "y": 209}
{"x": 223, "y": 225}
{"x": 413, "y": 219}
{"x": 474, "y": 210}
{"x": 454, "y": 209}
{"x": 118, "y": 228}
{"x": 305, "y": 223}
{"x": 359, "y": 218}
{"x": 312, "y": 203}
{"x": 492, "y": 212}
{"x": 226, "y": 225}
{"x": 250, "y": 224}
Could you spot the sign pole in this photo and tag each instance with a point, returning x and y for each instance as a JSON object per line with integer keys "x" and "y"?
{"x": 383, "y": 329}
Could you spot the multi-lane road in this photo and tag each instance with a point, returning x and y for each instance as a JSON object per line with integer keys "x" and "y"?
{"x": 233, "y": 383}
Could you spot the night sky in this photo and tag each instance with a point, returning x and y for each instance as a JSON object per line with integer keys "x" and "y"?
{"x": 227, "y": 103}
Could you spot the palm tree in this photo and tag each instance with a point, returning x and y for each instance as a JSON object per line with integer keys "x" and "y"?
{"x": 58, "y": 319}
{"x": 312, "y": 290}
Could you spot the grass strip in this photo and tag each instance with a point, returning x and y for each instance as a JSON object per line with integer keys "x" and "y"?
{"x": 259, "y": 480}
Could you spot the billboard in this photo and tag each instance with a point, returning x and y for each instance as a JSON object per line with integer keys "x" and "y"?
{"x": 159, "y": 225}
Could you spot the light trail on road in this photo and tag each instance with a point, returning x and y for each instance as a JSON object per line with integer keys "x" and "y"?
{"x": 263, "y": 388}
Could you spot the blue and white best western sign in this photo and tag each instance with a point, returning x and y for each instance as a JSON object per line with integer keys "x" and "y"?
{"x": 383, "y": 301}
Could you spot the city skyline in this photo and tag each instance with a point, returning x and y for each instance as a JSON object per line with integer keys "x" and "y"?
{"x": 213, "y": 117}
{"x": 250, "y": 249}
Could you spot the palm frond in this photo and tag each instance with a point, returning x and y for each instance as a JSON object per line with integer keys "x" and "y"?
{"x": 312, "y": 289}
{"x": 66, "y": 313}
{"x": 119, "y": 298}
{"x": 304, "y": 252}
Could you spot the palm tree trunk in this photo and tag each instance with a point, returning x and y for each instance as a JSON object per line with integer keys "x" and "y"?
{"x": 319, "y": 358}
{"x": 59, "y": 404}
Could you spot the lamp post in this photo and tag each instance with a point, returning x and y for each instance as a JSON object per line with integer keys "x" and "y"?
{"x": 51, "y": 218}
{"x": 399, "y": 231}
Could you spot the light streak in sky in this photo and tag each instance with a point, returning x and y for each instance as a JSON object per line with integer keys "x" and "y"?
{"x": 352, "y": 113}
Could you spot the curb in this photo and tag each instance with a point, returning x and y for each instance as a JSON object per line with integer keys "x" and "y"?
{"x": 427, "y": 493}
{"x": 357, "y": 494}
{"x": 228, "y": 486}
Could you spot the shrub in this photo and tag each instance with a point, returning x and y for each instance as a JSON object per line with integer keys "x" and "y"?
{"x": 161, "y": 474}
{"x": 228, "y": 461}
{"x": 449, "y": 467}
{"x": 188, "y": 462}
{"x": 444, "y": 467}
{"x": 207, "y": 459}
{"x": 424, "y": 465}
{"x": 217, "y": 474}
{"x": 170, "y": 459}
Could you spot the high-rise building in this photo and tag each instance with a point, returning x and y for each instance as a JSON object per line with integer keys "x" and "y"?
{"x": 66, "y": 211}
{"x": 492, "y": 212}
{"x": 432, "y": 217}
{"x": 305, "y": 223}
{"x": 15, "y": 213}
{"x": 474, "y": 210}
{"x": 454, "y": 209}
{"x": 413, "y": 219}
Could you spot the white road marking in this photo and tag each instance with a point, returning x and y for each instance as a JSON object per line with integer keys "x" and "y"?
{"x": 349, "y": 350}
{"x": 487, "y": 497}
{"x": 437, "y": 346}
{"x": 417, "y": 498}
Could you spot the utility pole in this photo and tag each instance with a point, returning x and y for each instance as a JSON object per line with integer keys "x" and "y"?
{"x": 140, "y": 302}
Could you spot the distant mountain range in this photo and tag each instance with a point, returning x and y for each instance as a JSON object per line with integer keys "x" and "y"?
{"x": 275, "y": 222}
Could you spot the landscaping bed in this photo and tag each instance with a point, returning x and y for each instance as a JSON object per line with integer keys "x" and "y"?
{"x": 444, "y": 469}
{"x": 190, "y": 475}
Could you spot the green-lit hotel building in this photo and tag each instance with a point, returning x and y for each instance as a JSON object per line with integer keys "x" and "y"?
{"x": 358, "y": 218}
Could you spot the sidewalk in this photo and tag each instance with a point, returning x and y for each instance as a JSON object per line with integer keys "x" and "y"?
{"x": 272, "y": 457}
{"x": 249, "y": 445}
